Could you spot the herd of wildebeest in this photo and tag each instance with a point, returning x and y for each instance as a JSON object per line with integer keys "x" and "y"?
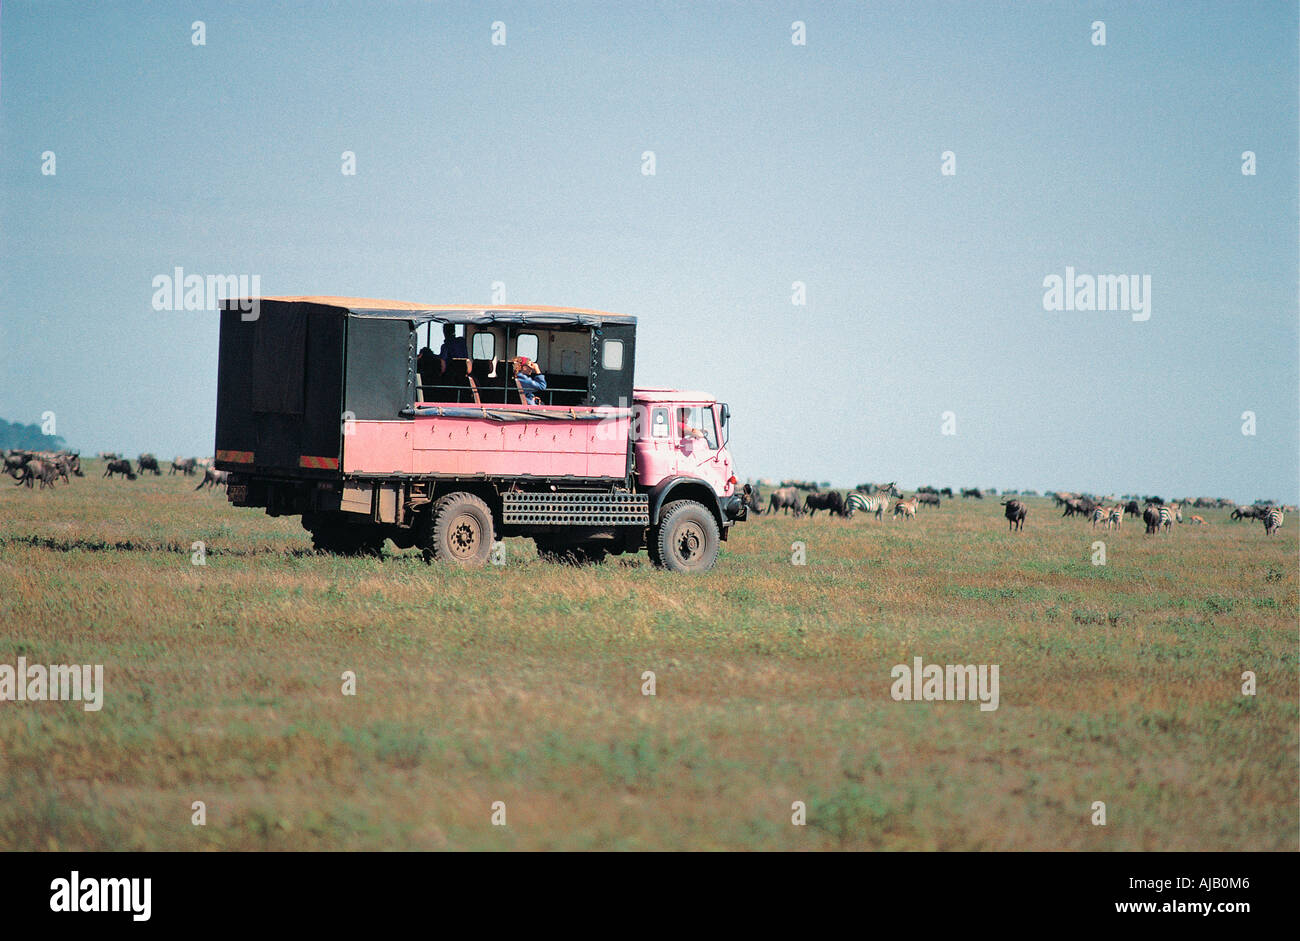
{"x": 797, "y": 497}
{"x": 47, "y": 468}
{"x": 801, "y": 497}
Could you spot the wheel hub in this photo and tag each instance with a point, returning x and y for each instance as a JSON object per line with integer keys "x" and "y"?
{"x": 689, "y": 539}
{"x": 464, "y": 536}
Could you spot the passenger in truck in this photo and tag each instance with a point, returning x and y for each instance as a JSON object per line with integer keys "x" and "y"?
{"x": 529, "y": 379}
{"x": 687, "y": 430}
{"x": 428, "y": 367}
{"x": 453, "y": 347}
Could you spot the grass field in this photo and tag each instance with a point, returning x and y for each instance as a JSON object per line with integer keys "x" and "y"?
{"x": 522, "y": 683}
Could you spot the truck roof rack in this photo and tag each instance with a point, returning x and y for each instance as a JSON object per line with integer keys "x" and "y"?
{"x": 459, "y": 313}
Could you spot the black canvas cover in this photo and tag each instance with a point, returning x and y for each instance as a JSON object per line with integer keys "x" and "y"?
{"x": 279, "y": 367}
{"x": 280, "y": 387}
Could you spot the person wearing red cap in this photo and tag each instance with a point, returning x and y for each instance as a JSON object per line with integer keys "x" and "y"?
{"x": 529, "y": 378}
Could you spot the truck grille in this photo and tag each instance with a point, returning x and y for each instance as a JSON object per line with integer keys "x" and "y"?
{"x": 575, "y": 509}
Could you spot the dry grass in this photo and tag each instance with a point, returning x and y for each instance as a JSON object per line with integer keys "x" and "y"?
{"x": 522, "y": 684}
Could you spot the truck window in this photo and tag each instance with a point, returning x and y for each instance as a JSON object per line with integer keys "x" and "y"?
{"x": 613, "y": 354}
{"x": 526, "y": 345}
{"x": 659, "y": 423}
{"x": 485, "y": 345}
{"x": 696, "y": 422}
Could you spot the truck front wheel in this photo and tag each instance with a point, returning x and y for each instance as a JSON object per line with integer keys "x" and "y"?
{"x": 686, "y": 539}
{"x": 458, "y": 529}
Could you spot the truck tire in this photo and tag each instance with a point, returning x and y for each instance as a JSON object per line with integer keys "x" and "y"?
{"x": 458, "y": 528}
{"x": 686, "y": 539}
{"x": 570, "y": 554}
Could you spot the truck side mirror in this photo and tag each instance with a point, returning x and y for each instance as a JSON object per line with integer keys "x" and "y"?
{"x": 726, "y": 414}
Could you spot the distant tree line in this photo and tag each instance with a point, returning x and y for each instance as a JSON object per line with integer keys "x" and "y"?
{"x": 28, "y": 437}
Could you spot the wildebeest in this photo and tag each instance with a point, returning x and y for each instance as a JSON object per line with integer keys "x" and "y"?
{"x": 831, "y": 500}
{"x": 1015, "y": 513}
{"x": 120, "y": 466}
{"x": 1246, "y": 513}
{"x": 1151, "y": 516}
{"x": 213, "y": 478}
{"x": 148, "y": 462}
{"x": 1080, "y": 506}
{"x": 15, "y": 461}
{"x": 37, "y": 469}
{"x": 930, "y": 490}
{"x": 785, "y": 499}
{"x": 972, "y": 492}
{"x": 946, "y": 492}
{"x": 929, "y": 499}
{"x": 185, "y": 465}
{"x": 1132, "y": 508}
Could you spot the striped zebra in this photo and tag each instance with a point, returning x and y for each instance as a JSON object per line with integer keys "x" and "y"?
{"x": 876, "y": 503}
{"x": 1168, "y": 513}
{"x": 1272, "y": 520}
{"x": 905, "y": 509}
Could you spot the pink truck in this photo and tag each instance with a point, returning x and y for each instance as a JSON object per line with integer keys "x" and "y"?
{"x": 430, "y": 426}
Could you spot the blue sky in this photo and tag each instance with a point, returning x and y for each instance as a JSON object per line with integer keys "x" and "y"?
{"x": 775, "y": 163}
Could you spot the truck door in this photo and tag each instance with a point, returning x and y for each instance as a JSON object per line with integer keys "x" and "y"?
{"x": 656, "y": 445}
{"x": 697, "y": 439}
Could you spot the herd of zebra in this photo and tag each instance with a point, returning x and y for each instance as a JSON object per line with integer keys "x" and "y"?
{"x": 1159, "y": 515}
{"x": 48, "y": 467}
{"x": 865, "y": 498}
{"x": 801, "y": 498}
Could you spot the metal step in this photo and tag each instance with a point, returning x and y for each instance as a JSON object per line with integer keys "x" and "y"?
{"x": 575, "y": 509}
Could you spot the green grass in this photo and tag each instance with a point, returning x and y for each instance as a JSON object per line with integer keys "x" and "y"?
{"x": 521, "y": 683}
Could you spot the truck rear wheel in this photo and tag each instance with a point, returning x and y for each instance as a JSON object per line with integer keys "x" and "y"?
{"x": 458, "y": 529}
{"x": 686, "y": 539}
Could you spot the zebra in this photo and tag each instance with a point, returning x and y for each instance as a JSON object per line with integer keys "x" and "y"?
{"x": 875, "y": 503}
{"x": 905, "y": 508}
{"x": 1272, "y": 518}
{"x": 1168, "y": 513}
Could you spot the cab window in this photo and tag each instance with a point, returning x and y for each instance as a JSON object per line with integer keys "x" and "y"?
{"x": 695, "y": 422}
